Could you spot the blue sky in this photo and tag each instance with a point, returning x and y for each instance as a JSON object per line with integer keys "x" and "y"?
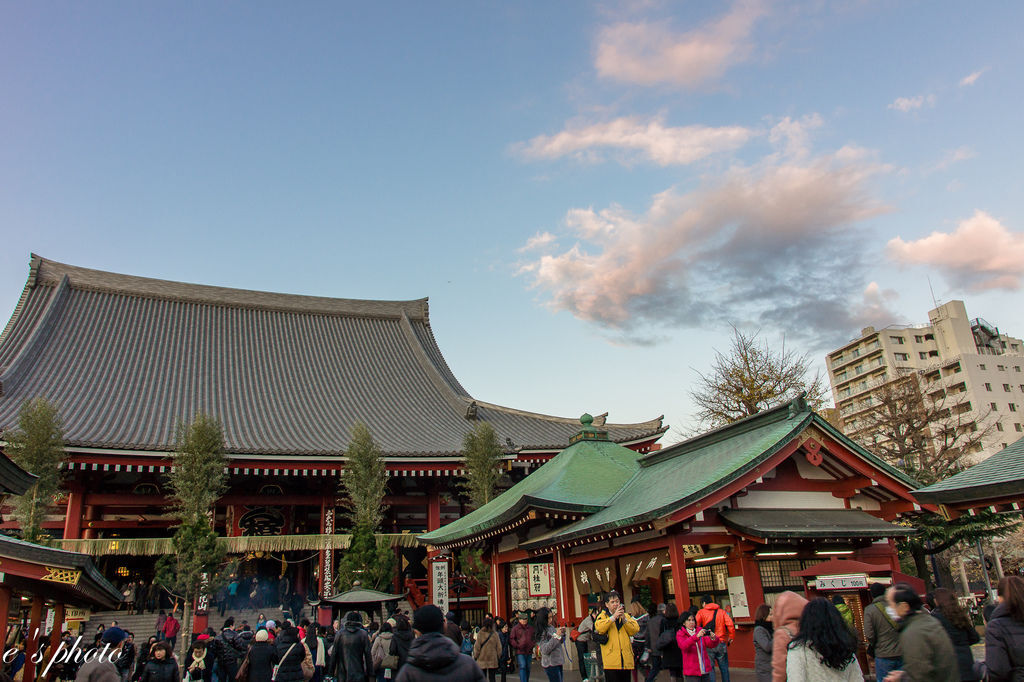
{"x": 590, "y": 194}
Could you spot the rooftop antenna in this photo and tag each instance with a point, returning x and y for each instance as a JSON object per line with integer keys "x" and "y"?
{"x": 934, "y": 302}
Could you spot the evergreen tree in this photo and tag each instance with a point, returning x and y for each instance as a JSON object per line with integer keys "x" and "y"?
{"x": 196, "y": 481}
{"x": 37, "y": 446}
{"x": 364, "y": 484}
{"x": 483, "y": 457}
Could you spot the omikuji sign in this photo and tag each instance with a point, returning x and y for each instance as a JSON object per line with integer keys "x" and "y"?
{"x": 842, "y": 582}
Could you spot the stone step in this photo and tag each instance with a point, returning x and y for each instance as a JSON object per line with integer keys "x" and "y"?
{"x": 144, "y": 625}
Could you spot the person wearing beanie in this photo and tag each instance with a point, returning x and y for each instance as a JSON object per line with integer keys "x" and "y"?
{"x": 452, "y": 629}
{"x": 101, "y": 668}
{"x": 262, "y": 657}
{"x": 352, "y": 659}
{"x": 433, "y": 657}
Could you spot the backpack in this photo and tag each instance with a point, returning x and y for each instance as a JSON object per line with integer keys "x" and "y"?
{"x": 467, "y": 645}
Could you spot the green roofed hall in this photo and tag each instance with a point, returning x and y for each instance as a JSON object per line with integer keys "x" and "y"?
{"x": 1001, "y": 475}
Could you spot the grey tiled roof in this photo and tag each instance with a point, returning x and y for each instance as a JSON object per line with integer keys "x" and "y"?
{"x": 1001, "y": 475}
{"x": 125, "y": 358}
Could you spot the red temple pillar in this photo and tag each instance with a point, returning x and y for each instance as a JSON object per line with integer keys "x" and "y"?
{"x": 58, "y": 626}
{"x": 563, "y": 590}
{"x": 681, "y": 587}
{"x": 91, "y": 514}
{"x": 73, "y": 520}
{"x": 32, "y": 638}
{"x": 433, "y": 523}
{"x": 5, "y": 610}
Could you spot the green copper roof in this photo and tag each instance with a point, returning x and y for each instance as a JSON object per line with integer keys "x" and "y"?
{"x": 582, "y": 479}
{"x": 639, "y": 489}
{"x": 1000, "y": 475}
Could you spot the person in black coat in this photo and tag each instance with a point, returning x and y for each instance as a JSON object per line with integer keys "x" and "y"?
{"x": 262, "y": 657}
{"x": 402, "y": 640}
{"x": 666, "y": 643}
{"x": 290, "y": 654}
{"x": 961, "y": 631}
{"x": 1004, "y": 634}
{"x": 434, "y": 657}
{"x": 351, "y": 660}
{"x": 161, "y": 667}
{"x": 199, "y": 663}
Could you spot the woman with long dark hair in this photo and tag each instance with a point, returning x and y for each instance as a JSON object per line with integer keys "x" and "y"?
{"x": 763, "y": 634}
{"x": 824, "y": 649}
{"x": 549, "y": 639}
{"x": 958, "y": 626}
{"x": 1004, "y": 635}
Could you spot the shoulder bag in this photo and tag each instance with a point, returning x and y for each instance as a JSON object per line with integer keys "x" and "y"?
{"x": 278, "y": 666}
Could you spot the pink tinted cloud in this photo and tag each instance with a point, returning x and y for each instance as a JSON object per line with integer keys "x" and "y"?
{"x": 649, "y": 54}
{"x": 773, "y": 242}
{"x": 980, "y": 254}
{"x": 651, "y": 139}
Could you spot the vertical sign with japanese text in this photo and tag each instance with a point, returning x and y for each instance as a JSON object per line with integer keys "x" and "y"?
{"x": 439, "y": 584}
{"x": 540, "y": 580}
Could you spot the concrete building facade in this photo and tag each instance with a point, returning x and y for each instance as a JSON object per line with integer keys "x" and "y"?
{"x": 954, "y": 355}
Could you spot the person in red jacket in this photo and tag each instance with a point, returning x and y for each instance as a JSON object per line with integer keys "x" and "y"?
{"x": 716, "y": 620}
{"x": 171, "y": 629}
{"x": 695, "y": 642}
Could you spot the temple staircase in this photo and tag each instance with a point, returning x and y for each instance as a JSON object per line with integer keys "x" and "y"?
{"x": 144, "y": 625}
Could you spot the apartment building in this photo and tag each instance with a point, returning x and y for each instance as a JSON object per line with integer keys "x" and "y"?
{"x": 956, "y": 354}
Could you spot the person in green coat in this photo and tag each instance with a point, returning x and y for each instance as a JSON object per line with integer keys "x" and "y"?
{"x": 844, "y": 611}
{"x": 928, "y": 654}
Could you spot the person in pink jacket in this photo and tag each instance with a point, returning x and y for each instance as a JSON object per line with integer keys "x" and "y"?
{"x": 786, "y": 619}
{"x": 694, "y": 642}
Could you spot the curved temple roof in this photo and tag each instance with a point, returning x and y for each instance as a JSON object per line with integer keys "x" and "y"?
{"x": 126, "y": 358}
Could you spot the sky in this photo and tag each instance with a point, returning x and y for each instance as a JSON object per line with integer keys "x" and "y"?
{"x": 591, "y": 194}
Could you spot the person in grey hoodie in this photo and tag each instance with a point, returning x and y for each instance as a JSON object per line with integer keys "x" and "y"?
{"x": 882, "y": 634}
{"x": 550, "y": 640}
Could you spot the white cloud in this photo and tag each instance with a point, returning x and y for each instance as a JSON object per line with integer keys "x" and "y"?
{"x": 651, "y": 139}
{"x": 980, "y": 254}
{"x": 957, "y": 155}
{"x": 776, "y": 242}
{"x": 538, "y": 241}
{"x": 907, "y": 104}
{"x": 649, "y": 54}
{"x": 794, "y": 136}
{"x": 971, "y": 79}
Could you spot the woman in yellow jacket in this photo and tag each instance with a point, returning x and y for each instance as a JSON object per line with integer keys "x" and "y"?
{"x": 619, "y": 627}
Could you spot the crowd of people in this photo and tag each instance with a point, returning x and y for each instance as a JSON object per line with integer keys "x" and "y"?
{"x": 909, "y": 639}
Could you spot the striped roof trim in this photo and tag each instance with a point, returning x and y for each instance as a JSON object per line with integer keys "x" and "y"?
{"x": 126, "y": 358}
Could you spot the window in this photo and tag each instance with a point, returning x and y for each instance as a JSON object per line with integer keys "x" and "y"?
{"x": 1013, "y": 407}
{"x": 1001, "y": 368}
{"x": 841, "y": 376}
{"x": 999, "y": 426}
{"x": 933, "y": 353}
{"x": 988, "y": 387}
{"x": 929, "y": 337}
{"x": 1006, "y": 387}
{"x": 1018, "y": 428}
{"x": 923, "y": 355}
{"x": 995, "y": 408}
{"x": 1004, "y": 446}
{"x": 918, "y": 338}
{"x": 902, "y": 356}
{"x": 980, "y": 366}
{"x": 1016, "y": 368}
{"x": 897, "y": 340}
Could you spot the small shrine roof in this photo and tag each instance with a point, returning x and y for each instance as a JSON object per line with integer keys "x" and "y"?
{"x": 127, "y": 358}
{"x": 783, "y": 524}
{"x": 89, "y": 587}
{"x": 1000, "y": 475}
